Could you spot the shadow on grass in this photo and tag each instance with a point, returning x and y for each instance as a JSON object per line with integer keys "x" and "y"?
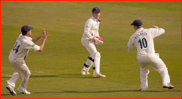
{"x": 11, "y": 95}
{"x": 6, "y": 95}
{"x": 61, "y": 76}
{"x": 107, "y": 91}
{"x": 75, "y": 76}
{"x": 104, "y": 91}
{"x": 39, "y": 76}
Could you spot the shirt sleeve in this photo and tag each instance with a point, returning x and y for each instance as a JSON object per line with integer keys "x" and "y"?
{"x": 31, "y": 46}
{"x": 157, "y": 32}
{"x": 98, "y": 32}
{"x": 130, "y": 44}
{"x": 87, "y": 28}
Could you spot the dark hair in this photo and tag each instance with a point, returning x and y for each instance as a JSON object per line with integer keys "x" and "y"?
{"x": 24, "y": 33}
{"x": 139, "y": 26}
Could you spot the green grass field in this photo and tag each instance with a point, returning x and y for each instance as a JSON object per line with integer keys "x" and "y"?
{"x": 55, "y": 72}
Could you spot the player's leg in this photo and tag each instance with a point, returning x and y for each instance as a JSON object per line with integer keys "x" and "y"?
{"x": 11, "y": 82}
{"x": 95, "y": 57}
{"x": 89, "y": 46}
{"x": 15, "y": 75}
{"x": 90, "y": 63}
{"x": 91, "y": 49}
{"x": 159, "y": 66}
{"x": 144, "y": 71}
{"x": 97, "y": 62}
{"x": 24, "y": 72}
{"x": 96, "y": 65}
{"x": 13, "y": 79}
{"x": 87, "y": 66}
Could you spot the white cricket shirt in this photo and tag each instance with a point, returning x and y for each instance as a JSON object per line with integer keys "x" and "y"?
{"x": 91, "y": 28}
{"x": 143, "y": 40}
{"x": 22, "y": 46}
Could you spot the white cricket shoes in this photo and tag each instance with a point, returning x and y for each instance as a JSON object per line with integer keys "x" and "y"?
{"x": 168, "y": 85}
{"x": 11, "y": 90}
{"x": 23, "y": 92}
{"x": 84, "y": 71}
{"x": 97, "y": 75}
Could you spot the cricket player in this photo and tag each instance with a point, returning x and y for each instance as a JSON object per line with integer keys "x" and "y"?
{"x": 23, "y": 44}
{"x": 89, "y": 38}
{"x": 143, "y": 40}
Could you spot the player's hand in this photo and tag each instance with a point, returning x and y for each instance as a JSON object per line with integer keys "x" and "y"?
{"x": 98, "y": 40}
{"x": 99, "y": 20}
{"x": 43, "y": 33}
{"x": 156, "y": 27}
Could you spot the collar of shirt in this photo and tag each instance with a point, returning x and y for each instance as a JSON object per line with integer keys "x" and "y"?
{"x": 26, "y": 37}
{"x": 94, "y": 18}
{"x": 139, "y": 29}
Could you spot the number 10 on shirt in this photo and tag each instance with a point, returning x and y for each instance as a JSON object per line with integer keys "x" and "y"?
{"x": 143, "y": 43}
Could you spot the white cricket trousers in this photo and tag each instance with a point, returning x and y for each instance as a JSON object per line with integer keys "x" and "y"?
{"x": 93, "y": 53}
{"x": 21, "y": 72}
{"x": 157, "y": 64}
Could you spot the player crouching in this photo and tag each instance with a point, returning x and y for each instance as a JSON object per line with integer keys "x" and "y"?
{"x": 17, "y": 56}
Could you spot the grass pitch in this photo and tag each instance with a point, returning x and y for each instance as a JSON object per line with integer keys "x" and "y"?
{"x": 56, "y": 70}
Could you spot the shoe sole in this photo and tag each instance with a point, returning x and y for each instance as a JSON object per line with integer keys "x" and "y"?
{"x": 168, "y": 87}
{"x": 11, "y": 92}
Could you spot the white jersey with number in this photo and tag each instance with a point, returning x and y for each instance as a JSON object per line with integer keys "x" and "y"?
{"x": 22, "y": 46}
{"x": 91, "y": 28}
{"x": 143, "y": 40}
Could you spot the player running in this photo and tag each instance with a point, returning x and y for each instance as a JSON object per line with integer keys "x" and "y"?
{"x": 91, "y": 36}
{"x": 143, "y": 40}
{"x": 23, "y": 44}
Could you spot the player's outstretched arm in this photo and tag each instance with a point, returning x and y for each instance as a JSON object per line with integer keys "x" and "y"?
{"x": 43, "y": 41}
{"x": 156, "y": 27}
{"x": 157, "y": 31}
{"x": 37, "y": 38}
